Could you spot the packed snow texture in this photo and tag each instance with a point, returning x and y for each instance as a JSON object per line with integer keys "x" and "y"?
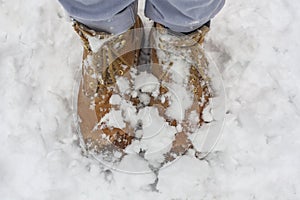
{"x": 254, "y": 43}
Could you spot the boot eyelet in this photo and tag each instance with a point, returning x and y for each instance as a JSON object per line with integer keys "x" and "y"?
{"x": 122, "y": 44}
{"x": 92, "y": 85}
{"x": 90, "y": 71}
{"x": 121, "y": 73}
{"x": 192, "y": 80}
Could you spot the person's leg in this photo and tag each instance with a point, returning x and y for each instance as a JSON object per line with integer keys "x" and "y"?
{"x": 182, "y": 16}
{"x": 111, "y": 16}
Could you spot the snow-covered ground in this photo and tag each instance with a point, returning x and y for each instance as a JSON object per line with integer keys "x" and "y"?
{"x": 256, "y": 46}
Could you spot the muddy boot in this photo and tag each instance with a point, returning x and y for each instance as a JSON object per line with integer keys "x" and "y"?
{"x": 106, "y": 57}
{"x": 179, "y": 63}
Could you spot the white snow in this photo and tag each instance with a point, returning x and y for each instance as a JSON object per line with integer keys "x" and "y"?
{"x": 179, "y": 73}
{"x": 180, "y": 100}
{"x": 123, "y": 85}
{"x": 115, "y": 99}
{"x": 146, "y": 83}
{"x": 113, "y": 119}
{"x": 255, "y": 45}
{"x": 145, "y": 98}
{"x": 95, "y": 43}
{"x": 207, "y": 113}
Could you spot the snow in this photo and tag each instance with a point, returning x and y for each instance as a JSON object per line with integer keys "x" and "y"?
{"x": 146, "y": 82}
{"x": 207, "y": 115}
{"x": 180, "y": 100}
{"x": 256, "y": 48}
{"x": 94, "y": 43}
{"x": 113, "y": 119}
{"x": 115, "y": 99}
{"x": 123, "y": 85}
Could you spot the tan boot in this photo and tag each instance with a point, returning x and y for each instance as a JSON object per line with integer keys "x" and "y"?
{"x": 105, "y": 57}
{"x": 179, "y": 62}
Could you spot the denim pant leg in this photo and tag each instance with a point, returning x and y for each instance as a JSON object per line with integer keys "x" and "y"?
{"x": 112, "y": 16}
{"x": 182, "y": 15}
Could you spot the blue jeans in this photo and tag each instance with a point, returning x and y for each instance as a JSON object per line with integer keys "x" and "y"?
{"x": 117, "y": 16}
